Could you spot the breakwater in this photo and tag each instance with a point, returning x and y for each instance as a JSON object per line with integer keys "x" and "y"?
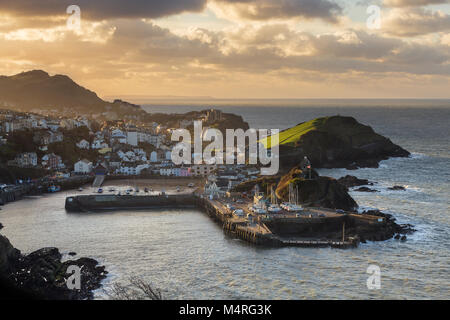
{"x": 86, "y": 203}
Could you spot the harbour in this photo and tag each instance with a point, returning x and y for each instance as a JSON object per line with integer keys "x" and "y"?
{"x": 314, "y": 227}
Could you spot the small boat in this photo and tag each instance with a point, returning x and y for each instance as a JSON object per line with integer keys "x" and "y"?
{"x": 293, "y": 208}
{"x": 54, "y": 188}
{"x": 274, "y": 208}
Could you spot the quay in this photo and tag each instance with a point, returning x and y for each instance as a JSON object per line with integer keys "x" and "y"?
{"x": 310, "y": 229}
{"x": 11, "y": 193}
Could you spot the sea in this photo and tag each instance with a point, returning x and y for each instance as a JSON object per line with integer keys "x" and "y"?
{"x": 187, "y": 256}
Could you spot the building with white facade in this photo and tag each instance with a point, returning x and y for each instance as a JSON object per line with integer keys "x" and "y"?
{"x": 83, "y": 166}
{"x": 83, "y": 144}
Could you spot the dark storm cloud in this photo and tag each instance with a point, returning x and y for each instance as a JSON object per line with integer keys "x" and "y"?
{"x": 110, "y": 9}
{"x": 103, "y": 9}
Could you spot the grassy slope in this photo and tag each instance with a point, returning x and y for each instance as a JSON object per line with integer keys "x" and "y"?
{"x": 292, "y": 135}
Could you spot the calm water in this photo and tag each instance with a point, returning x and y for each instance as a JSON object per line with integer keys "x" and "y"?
{"x": 188, "y": 256}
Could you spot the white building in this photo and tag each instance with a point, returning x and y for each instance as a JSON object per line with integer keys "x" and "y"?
{"x": 99, "y": 144}
{"x": 132, "y": 137}
{"x": 83, "y": 144}
{"x": 27, "y": 159}
{"x": 118, "y": 136}
{"x": 154, "y": 157}
{"x": 83, "y": 166}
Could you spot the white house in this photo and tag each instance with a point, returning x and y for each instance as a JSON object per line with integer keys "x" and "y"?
{"x": 132, "y": 137}
{"x": 83, "y": 166}
{"x": 154, "y": 157}
{"x": 83, "y": 144}
{"x": 166, "y": 171}
{"x": 27, "y": 159}
{"x": 99, "y": 144}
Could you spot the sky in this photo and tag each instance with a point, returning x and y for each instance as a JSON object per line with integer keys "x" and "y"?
{"x": 236, "y": 49}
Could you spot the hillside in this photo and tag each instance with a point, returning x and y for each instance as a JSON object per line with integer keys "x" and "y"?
{"x": 36, "y": 89}
{"x": 334, "y": 142}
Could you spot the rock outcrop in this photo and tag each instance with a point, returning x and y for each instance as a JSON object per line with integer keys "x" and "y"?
{"x": 366, "y": 189}
{"x": 390, "y": 230}
{"x": 352, "y": 181}
{"x": 319, "y": 191}
{"x": 42, "y": 274}
{"x": 335, "y": 142}
{"x": 397, "y": 188}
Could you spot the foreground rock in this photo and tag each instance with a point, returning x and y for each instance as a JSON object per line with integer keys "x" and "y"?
{"x": 43, "y": 275}
{"x": 335, "y": 142}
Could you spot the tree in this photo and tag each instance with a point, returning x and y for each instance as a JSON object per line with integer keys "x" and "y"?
{"x": 137, "y": 289}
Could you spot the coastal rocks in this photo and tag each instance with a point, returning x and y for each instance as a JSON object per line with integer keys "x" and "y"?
{"x": 8, "y": 255}
{"x": 397, "y": 188}
{"x": 318, "y": 192}
{"x": 365, "y": 189}
{"x": 352, "y": 181}
{"x": 398, "y": 229}
{"x": 335, "y": 142}
{"x": 43, "y": 275}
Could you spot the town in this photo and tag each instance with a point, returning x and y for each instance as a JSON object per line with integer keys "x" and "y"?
{"x": 36, "y": 145}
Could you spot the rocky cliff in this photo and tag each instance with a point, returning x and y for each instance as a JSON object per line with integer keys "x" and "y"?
{"x": 319, "y": 191}
{"x": 335, "y": 142}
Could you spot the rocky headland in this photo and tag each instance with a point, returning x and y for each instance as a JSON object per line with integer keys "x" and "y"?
{"x": 42, "y": 274}
{"x": 335, "y": 142}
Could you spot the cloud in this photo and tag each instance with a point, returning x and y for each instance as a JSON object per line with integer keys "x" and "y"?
{"x": 102, "y": 9}
{"x": 142, "y": 57}
{"x": 258, "y": 10}
{"x": 410, "y": 22}
{"x": 412, "y": 3}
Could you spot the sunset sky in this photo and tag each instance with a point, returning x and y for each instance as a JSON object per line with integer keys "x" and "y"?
{"x": 234, "y": 48}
